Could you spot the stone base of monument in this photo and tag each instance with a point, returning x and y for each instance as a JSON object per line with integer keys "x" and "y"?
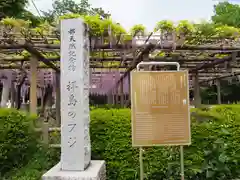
{"x": 95, "y": 171}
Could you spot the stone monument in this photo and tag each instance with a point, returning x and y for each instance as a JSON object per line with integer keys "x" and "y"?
{"x": 75, "y": 161}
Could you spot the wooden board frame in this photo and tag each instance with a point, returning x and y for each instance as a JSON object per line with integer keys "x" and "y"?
{"x": 156, "y": 142}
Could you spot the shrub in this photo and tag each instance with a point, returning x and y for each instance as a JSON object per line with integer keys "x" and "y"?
{"x": 111, "y": 141}
{"x": 214, "y": 153}
{"x": 17, "y": 139}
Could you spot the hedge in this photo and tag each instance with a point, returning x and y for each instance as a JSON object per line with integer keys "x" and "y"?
{"x": 214, "y": 153}
{"x": 17, "y": 139}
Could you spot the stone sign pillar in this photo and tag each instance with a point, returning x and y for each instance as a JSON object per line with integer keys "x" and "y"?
{"x": 74, "y": 96}
{"x": 75, "y": 116}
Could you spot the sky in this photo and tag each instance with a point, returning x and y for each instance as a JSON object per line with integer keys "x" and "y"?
{"x": 147, "y": 12}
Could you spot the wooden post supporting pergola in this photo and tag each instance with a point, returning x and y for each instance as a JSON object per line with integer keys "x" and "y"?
{"x": 218, "y": 84}
{"x": 58, "y": 100}
{"x": 197, "y": 96}
{"x": 33, "y": 86}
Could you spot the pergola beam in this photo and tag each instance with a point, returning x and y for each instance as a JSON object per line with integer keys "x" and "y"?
{"x": 92, "y": 58}
{"x": 221, "y": 77}
{"x": 193, "y": 64}
{"x": 40, "y": 57}
{"x": 127, "y": 46}
{"x": 47, "y": 67}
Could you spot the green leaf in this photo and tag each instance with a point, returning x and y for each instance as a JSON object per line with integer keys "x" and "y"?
{"x": 210, "y": 174}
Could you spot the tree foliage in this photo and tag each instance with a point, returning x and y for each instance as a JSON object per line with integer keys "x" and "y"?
{"x": 69, "y": 6}
{"x": 227, "y": 14}
{"x": 17, "y": 9}
{"x": 28, "y": 16}
{"x": 64, "y": 7}
{"x": 12, "y": 8}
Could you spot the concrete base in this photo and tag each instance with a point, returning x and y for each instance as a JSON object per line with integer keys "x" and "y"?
{"x": 95, "y": 171}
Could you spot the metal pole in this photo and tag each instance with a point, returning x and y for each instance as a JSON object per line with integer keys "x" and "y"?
{"x": 182, "y": 162}
{"x": 158, "y": 63}
{"x": 141, "y": 163}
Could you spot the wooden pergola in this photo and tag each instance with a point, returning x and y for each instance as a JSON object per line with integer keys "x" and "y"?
{"x": 22, "y": 53}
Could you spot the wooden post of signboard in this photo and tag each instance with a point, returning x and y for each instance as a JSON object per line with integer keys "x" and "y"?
{"x": 160, "y": 109}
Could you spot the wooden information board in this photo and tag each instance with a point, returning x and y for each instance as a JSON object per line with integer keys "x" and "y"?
{"x": 160, "y": 108}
